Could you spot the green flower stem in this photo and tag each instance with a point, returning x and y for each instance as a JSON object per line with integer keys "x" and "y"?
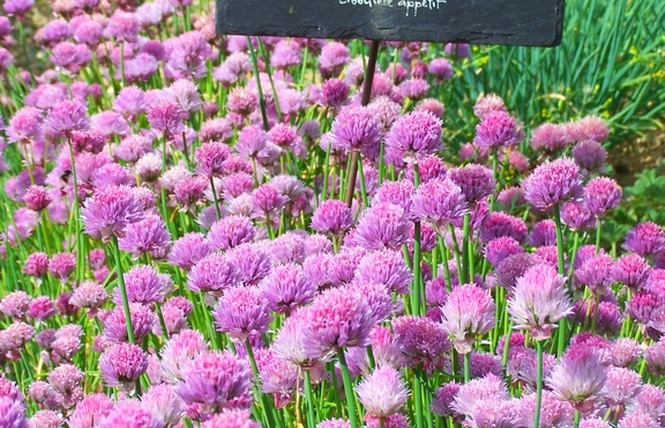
{"x": 418, "y": 400}
{"x": 123, "y": 291}
{"x": 267, "y": 411}
{"x": 259, "y": 90}
{"x": 348, "y": 389}
{"x": 446, "y": 268}
{"x": 363, "y": 187}
{"x": 563, "y": 324}
{"x": 467, "y": 367}
{"x": 466, "y": 251}
{"x": 599, "y": 224}
{"x": 215, "y": 199}
{"x": 417, "y": 292}
{"x": 539, "y": 382}
{"x": 309, "y": 398}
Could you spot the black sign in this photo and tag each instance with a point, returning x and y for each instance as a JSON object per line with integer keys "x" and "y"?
{"x": 501, "y": 22}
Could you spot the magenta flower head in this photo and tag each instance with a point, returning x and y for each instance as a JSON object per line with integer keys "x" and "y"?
{"x": 188, "y": 250}
{"x": 382, "y": 226}
{"x": 268, "y": 200}
{"x": 579, "y": 377}
{"x": 109, "y": 211}
{"x": 468, "y": 313}
{"x": 122, "y": 364}
{"x": 36, "y": 198}
{"x": 230, "y": 232}
{"x": 539, "y": 301}
{"x": 550, "y": 138}
{"x": 630, "y": 270}
{"x": 90, "y": 411}
{"x": 553, "y": 183}
{"x": 334, "y": 423}
{"x": 356, "y": 129}
{"x": 25, "y": 126}
{"x": 62, "y": 265}
{"x": 36, "y": 264}
{"x": 15, "y": 304}
{"x": 215, "y": 381}
{"x": 476, "y": 181}
{"x": 382, "y": 393}
{"x": 115, "y": 328}
{"x": 647, "y": 239}
{"x": 332, "y": 217}
{"x": 231, "y": 418}
{"x": 498, "y": 249}
{"x": 210, "y": 157}
{"x": 66, "y": 117}
{"x": 286, "y": 288}
{"x": 336, "y": 319}
{"x": 18, "y": 8}
{"x": 421, "y": 340}
{"x": 241, "y": 312}
{"x": 602, "y": 194}
{"x": 486, "y": 104}
{"x": 590, "y": 155}
{"x": 145, "y": 285}
{"x": 130, "y": 412}
{"x": 167, "y": 117}
{"x": 412, "y": 137}
{"x": 213, "y": 273}
{"x": 497, "y": 129}
{"x": 588, "y": 128}
{"x": 333, "y": 57}
{"x": 439, "y": 202}
{"x": 12, "y": 412}
{"x": 385, "y": 267}
{"x": 146, "y": 236}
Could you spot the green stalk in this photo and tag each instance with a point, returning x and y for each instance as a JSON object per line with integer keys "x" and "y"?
{"x": 467, "y": 367}
{"x": 466, "y": 251}
{"x": 309, "y": 398}
{"x": 417, "y": 274}
{"x": 348, "y": 389}
{"x": 269, "y": 417}
{"x": 418, "y": 400}
{"x": 215, "y": 199}
{"x": 123, "y": 291}
{"x": 539, "y": 383}
{"x": 598, "y": 232}
{"x": 259, "y": 90}
{"x": 559, "y": 247}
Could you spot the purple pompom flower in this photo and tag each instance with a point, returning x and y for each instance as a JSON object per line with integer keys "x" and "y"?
{"x": 631, "y": 270}
{"x": 230, "y": 232}
{"x": 382, "y": 393}
{"x": 439, "y": 202}
{"x": 188, "y": 250}
{"x": 550, "y": 138}
{"x": 553, "y": 183}
{"x": 413, "y": 137}
{"x": 476, "y": 181}
{"x": 67, "y": 117}
{"x": 421, "y": 340}
{"x": 579, "y": 377}
{"x": 286, "y": 288}
{"x": 214, "y": 273}
{"x": 336, "y": 319}
{"x": 231, "y": 418}
{"x": 241, "y": 312}
{"x": 109, "y": 211}
{"x": 382, "y": 226}
{"x": 497, "y": 129}
{"x": 647, "y": 239}
{"x": 122, "y": 364}
{"x": 332, "y": 217}
{"x": 356, "y": 129}
{"x": 36, "y": 265}
{"x": 385, "y": 267}
{"x": 602, "y": 194}
{"x": 468, "y": 313}
{"x": 145, "y": 285}
{"x": 215, "y": 381}
{"x": 539, "y": 301}
{"x": 62, "y": 265}
{"x": 146, "y": 236}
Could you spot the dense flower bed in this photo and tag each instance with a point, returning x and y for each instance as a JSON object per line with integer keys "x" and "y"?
{"x": 215, "y": 231}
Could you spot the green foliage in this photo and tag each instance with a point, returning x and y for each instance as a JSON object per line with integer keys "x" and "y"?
{"x": 611, "y": 62}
